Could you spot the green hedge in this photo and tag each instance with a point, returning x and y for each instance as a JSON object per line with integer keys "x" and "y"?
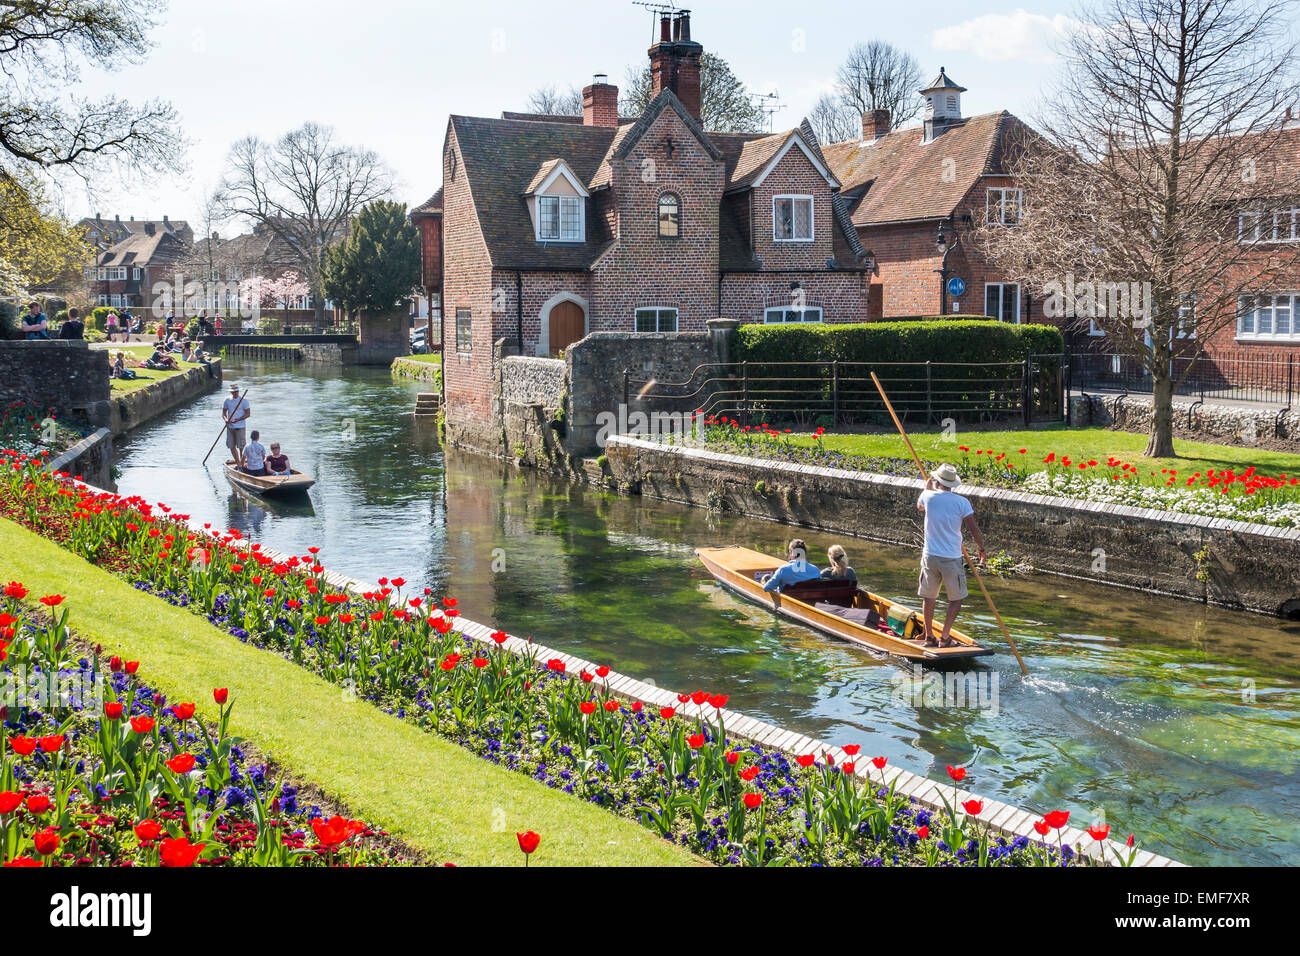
{"x": 961, "y": 340}
{"x": 988, "y": 378}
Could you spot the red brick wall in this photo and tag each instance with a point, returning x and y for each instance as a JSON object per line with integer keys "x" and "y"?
{"x": 643, "y": 269}
{"x": 431, "y": 250}
{"x": 842, "y": 296}
{"x": 794, "y": 174}
{"x": 467, "y": 284}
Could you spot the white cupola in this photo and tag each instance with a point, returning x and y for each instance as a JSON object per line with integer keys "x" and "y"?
{"x": 942, "y": 105}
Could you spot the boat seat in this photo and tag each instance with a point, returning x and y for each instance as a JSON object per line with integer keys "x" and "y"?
{"x": 864, "y": 616}
{"x": 839, "y": 593}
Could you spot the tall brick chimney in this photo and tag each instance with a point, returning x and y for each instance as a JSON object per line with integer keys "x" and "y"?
{"x": 600, "y": 102}
{"x": 875, "y": 124}
{"x": 675, "y": 61}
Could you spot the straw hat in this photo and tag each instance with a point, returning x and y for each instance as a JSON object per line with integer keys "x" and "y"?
{"x": 947, "y": 476}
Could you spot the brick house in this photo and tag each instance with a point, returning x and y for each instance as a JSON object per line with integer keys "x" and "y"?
{"x": 902, "y": 186}
{"x": 125, "y": 274}
{"x": 551, "y": 228}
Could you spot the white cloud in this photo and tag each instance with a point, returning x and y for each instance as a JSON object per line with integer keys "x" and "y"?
{"x": 1027, "y": 37}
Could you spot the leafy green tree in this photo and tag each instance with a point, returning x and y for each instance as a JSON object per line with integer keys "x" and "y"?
{"x": 378, "y": 265}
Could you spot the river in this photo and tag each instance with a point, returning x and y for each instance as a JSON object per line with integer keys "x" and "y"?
{"x": 1173, "y": 721}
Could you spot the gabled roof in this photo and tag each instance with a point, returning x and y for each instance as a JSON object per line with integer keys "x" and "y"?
{"x": 430, "y": 207}
{"x": 142, "y": 249}
{"x": 501, "y": 157}
{"x": 549, "y": 172}
{"x": 666, "y": 99}
{"x": 898, "y": 178}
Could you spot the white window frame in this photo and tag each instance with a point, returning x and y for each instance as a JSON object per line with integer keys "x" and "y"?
{"x": 812, "y": 217}
{"x": 784, "y": 310}
{"x": 1003, "y": 192}
{"x": 1292, "y": 300}
{"x": 560, "y": 202}
{"x": 656, "y": 309}
{"x": 466, "y": 347}
{"x": 1002, "y": 286}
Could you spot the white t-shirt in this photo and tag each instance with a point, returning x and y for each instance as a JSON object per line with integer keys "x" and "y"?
{"x": 944, "y": 512}
{"x": 236, "y": 408}
{"x": 254, "y": 456}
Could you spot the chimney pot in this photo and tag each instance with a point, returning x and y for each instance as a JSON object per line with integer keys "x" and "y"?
{"x": 600, "y": 103}
{"x": 875, "y": 124}
{"x": 665, "y": 28}
{"x": 675, "y": 63}
{"x": 685, "y": 21}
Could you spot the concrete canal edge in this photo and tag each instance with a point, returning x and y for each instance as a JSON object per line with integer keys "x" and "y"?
{"x": 1003, "y": 818}
{"x": 1225, "y": 563}
{"x": 132, "y": 409}
{"x": 90, "y": 459}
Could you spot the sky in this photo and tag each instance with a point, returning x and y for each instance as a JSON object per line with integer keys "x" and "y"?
{"x": 386, "y": 74}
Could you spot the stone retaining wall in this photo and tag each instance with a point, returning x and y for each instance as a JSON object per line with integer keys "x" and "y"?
{"x": 1227, "y": 563}
{"x": 68, "y": 376}
{"x": 1239, "y": 425}
{"x": 90, "y": 459}
{"x": 266, "y": 353}
{"x": 132, "y": 409}
{"x": 418, "y": 371}
{"x": 329, "y": 353}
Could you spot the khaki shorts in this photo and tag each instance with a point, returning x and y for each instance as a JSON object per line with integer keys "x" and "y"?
{"x": 951, "y": 572}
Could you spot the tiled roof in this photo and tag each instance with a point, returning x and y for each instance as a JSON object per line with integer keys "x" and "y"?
{"x": 501, "y": 157}
{"x": 431, "y": 206}
{"x": 141, "y": 249}
{"x": 904, "y": 179}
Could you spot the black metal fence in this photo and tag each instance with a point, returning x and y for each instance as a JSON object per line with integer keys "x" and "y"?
{"x": 842, "y": 393}
{"x": 1271, "y": 378}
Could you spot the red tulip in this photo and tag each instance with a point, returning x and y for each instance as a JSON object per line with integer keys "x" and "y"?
{"x": 20, "y": 861}
{"x": 332, "y": 832}
{"x": 142, "y": 725}
{"x": 221, "y": 695}
{"x": 22, "y": 746}
{"x": 500, "y": 636}
{"x": 587, "y": 707}
{"x": 528, "y": 841}
{"x": 611, "y": 705}
{"x": 749, "y": 773}
{"x": 719, "y": 701}
{"x": 52, "y": 600}
{"x": 1098, "y": 832}
{"x": 696, "y": 741}
{"x": 879, "y": 762}
{"x": 179, "y": 852}
{"x": 148, "y": 830}
{"x": 38, "y": 803}
{"x": 131, "y": 667}
{"x": 183, "y": 711}
{"x": 555, "y": 664}
{"x": 1129, "y": 841}
{"x": 667, "y": 713}
{"x": 602, "y": 671}
{"x": 849, "y": 767}
{"x": 922, "y": 832}
{"x": 113, "y": 710}
{"x": 1042, "y": 827}
{"x": 52, "y": 743}
{"x": 851, "y": 749}
{"x": 805, "y": 760}
{"x": 1057, "y": 818}
{"x": 753, "y": 800}
{"x": 181, "y": 763}
{"x": 46, "y": 841}
{"x": 732, "y": 757}
{"x": 957, "y": 773}
{"x": 973, "y": 807}
{"x": 10, "y": 801}
{"x": 699, "y": 697}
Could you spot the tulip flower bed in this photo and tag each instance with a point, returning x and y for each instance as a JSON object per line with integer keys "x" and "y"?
{"x": 23, "y": 429}
{"x": 1240, "y": 494}
{"x": 99, "y": 770}
{"x": 683, "y": 777}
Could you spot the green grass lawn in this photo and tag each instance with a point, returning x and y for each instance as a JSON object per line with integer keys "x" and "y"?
{"x": 1081, "y": 444}
{"x": 430, "y": 358}
{"x": 145, "y": 376}
{"x": 435, "y": 796}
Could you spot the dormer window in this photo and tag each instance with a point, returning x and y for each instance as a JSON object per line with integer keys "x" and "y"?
{"x": 792, "y": 218}
{"x": 557, "y": 202}
{"x": 559, "y": 218}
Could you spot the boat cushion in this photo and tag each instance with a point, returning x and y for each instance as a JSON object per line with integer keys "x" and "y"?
{"x": 838, "y": 592}
{"x": 865, "y": 616}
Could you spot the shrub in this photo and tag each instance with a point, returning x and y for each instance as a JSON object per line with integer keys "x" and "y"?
{"x": 960, "y": 340}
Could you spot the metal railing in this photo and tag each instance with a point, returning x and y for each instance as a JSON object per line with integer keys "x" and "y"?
{"x": 805, "y": 393}
{"x": 1272, "y": 378}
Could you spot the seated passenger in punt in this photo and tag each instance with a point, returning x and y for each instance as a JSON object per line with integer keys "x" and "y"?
{"x": 276, "y": 463}
{"x": 797, "y": 568}
{"x": 839, "y": 569}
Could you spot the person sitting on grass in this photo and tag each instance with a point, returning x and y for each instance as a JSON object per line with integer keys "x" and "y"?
{"x": 796, "y": 569}
{"x": 199, "y": 356}
{"x": 276, "y": 463}
{"x": 160, "y": 361}
{"x": 839, "y": 569}
{"x": 118, "y": 369}
{"x": 187, "y": 353}
{"x": 254, "y": 462}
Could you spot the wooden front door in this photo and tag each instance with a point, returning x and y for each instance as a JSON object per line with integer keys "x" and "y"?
{"x": 568, "y": 324}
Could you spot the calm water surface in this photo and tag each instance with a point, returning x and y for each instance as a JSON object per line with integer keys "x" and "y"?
{"x": 1176, "y": 722}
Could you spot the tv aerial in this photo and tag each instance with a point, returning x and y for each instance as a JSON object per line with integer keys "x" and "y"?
{"x": 768, "y": 103}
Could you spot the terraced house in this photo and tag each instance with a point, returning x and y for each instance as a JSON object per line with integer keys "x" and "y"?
{"x": 554, "y": 227}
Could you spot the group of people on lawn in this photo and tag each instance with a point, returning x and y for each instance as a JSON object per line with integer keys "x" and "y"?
{"x": 251, "y": 456}
{"x": 943, "y": 565}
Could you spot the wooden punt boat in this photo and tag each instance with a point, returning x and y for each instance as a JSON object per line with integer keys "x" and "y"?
{"x": 839, "y": 608}
{"x": 269, "y": 486}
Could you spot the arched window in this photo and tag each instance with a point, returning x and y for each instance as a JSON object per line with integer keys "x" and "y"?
{"x": 669, "y": 216}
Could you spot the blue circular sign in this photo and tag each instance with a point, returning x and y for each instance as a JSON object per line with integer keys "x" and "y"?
{"x": 956, "y": 286}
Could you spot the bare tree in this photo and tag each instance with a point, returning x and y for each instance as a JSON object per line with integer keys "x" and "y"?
{"x": 43, "y": 45}
{"x": 834, "y": 121}
{"x": 878, "y": 76}
{"x": 1151, "y": 198}
{"x": 305, "y": 189}
{"x": 549, "y": 101}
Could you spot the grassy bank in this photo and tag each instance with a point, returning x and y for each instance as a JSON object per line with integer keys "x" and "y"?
{"x": 428, "y": 792}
